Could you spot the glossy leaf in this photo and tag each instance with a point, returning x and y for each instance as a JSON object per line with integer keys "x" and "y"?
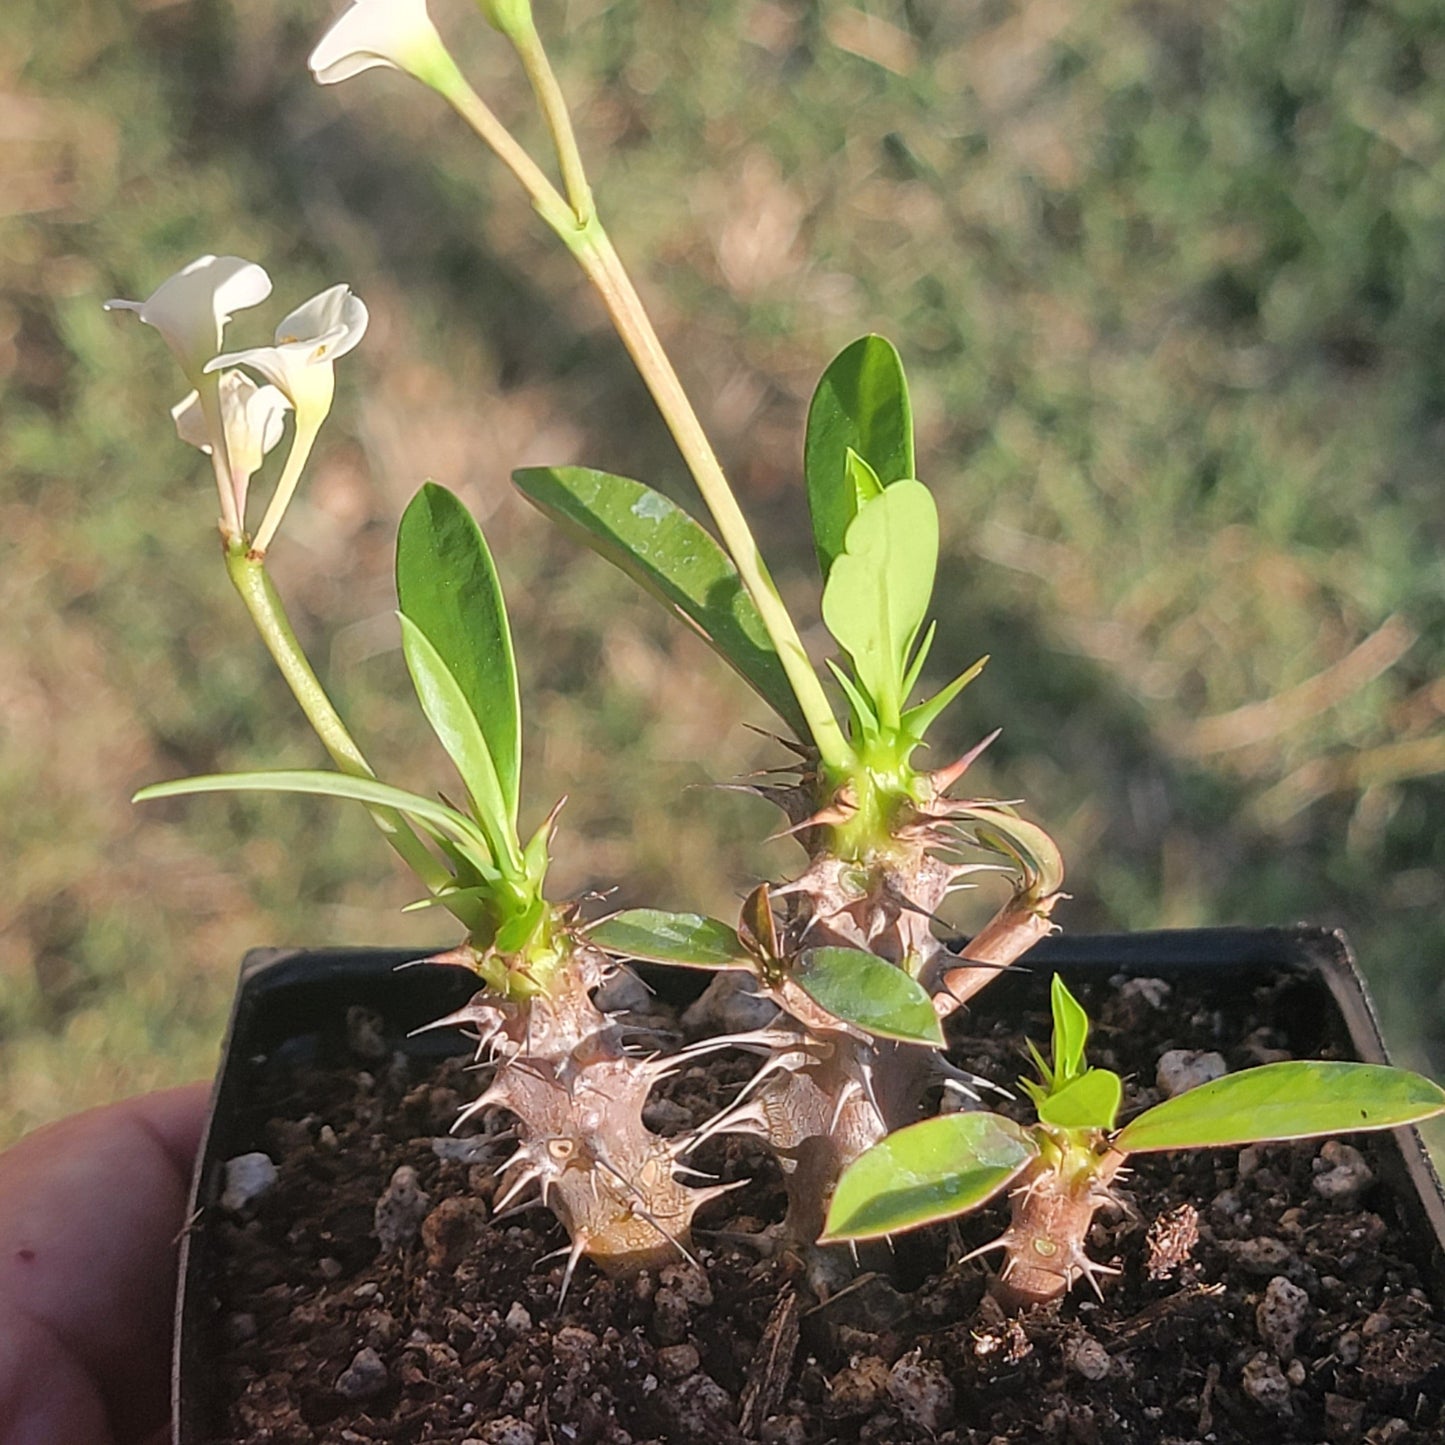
{"x": 1071, "y": 1033}
{"x": 448, "y": 588}
{"x": 879, "y": 588}
{"x": 438, "y": 818}
{"x": 927, "y": 1172}
{"x": 675, "y": 559}
{"x": 686, "y": 939}
{"x": 1091, "y": 1101}
{"x": 454, "y": 723}
{"x": 1293, "y": 1100}
{"x": 861, "y": 405}
{"x": 870, "y": 993}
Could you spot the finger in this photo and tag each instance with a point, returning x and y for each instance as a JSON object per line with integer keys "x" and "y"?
{"x": 90, "y": 1209}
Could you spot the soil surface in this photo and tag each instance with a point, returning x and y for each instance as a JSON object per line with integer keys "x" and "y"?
{"x": 1268, "y": 1294}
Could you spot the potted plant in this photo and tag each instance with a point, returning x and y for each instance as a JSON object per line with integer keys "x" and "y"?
{"x": 838, "y": 1030}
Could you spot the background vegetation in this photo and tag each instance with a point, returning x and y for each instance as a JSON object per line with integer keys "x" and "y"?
{"x": 1167, "y": 280}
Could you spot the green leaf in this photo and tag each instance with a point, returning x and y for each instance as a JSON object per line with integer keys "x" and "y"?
{"x": 436, "y": 817}
{"x": 861, "y": 406}
{"x": 456, "y": 725}
{"x": 1091, "y": 1101}
{"x": 675, "y": 559}
{"x": 517, "y": 930}
{"x": 927, "y": 1172}
{"x": 448, "y": 588}
{"x": 1071, "y": 1033}
{"x": 879, "y": 587}
{"x": 917, "y": 720}
{"x": 448, "y": 896}
{"x": 1293, "y": 1100}
{"x": 920, "y": 656}
{"x": 865, "y": 721}
{"x": 865, "y": 990}
{"x": 687, "y": 939}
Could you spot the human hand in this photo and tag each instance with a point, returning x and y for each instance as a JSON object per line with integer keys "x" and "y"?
{"x": 90, "y": 1211}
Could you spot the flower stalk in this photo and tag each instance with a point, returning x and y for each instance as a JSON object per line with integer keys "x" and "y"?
{"x": 252, "y": 581}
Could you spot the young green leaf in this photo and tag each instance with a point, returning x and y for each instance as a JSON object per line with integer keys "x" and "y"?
{"x": 879, "y": 587}
{"x": 436, "y": 818}
{"x": 1292, "y": 1100}
{"x": 453, "y": 721}
{"x": 1071, "y": 1032}
{"x": 659, "y": 546}
{"x": 927, "y": 1172}
{"x": 917, "y": 720}
{"x": 448, "y": 588}
{"x": 861, "y": 406}
{"x": 865, "y": 481}
{"x": 920, "y": 656}
{"x": 686, "y": 939}
{"x": 1091, "y": 1101}
{"x": 865, "y": 990}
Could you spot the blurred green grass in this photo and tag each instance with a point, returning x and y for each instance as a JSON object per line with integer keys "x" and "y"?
{"x": 1168, "y": 283}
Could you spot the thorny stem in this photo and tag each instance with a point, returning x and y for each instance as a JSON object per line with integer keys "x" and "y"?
{"x": 582, "y": 233}
{"x": 258, "y": 592}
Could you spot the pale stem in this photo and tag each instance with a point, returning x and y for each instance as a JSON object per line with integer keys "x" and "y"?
{"x": 605, "y": 270}
{"x": 308, "y": 425}
{"x": 545, "y": 197}
{"x": 208, "y": 388}
{"x": 554, "y": 111}
{"x": 594, "y": 252}
{"x": 248, "y": 574}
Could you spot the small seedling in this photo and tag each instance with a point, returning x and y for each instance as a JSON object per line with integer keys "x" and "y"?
{"x": 1059, "y": 1171}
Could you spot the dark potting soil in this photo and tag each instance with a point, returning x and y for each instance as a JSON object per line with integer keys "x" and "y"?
{"x": 1267, "y": 1294}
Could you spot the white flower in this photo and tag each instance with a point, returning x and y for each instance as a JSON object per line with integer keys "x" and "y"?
{"x": 394, "y": 33}
{"x": 191, "y": 309}
{"x": 253, "y": 417}
{"x": 308, "y": 342}
{"x": 301, "y": 366}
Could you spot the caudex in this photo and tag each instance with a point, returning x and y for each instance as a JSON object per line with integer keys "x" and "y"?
{"x": 847, "y": 948}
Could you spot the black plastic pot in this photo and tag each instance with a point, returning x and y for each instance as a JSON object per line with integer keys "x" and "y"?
{"x": 296, "y": 1003}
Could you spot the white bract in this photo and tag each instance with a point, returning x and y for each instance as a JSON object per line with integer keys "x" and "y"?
{"x": 191, "y": 309}
{"x": 308, "y": 342}
{"x": 394, "y": 33}
{"x": 253, "y": 417}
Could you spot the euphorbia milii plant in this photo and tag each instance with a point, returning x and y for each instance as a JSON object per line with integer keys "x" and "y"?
{"x": 849, "y": 949}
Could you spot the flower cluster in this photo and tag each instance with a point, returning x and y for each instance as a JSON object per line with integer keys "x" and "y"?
{"x": 226, "y": 414}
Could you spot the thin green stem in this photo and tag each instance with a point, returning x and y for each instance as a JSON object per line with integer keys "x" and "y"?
{"x": 545, "y": 197}
{"x": 250, "y": 578}
{"x": 543, "y": 80}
